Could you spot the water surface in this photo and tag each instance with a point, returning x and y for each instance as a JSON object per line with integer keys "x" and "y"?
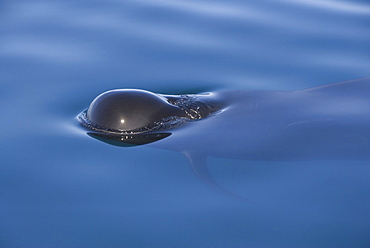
{"x": 60, "y": 188}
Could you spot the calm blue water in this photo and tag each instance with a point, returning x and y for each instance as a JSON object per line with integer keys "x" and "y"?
{"x": 61, "y": 188}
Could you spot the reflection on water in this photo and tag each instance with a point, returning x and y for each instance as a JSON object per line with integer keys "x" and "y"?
{"x": 345, "y": 7}
{"x": 59, "y": 187}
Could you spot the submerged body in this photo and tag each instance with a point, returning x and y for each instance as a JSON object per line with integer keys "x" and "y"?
{"x": 326, "y": 122}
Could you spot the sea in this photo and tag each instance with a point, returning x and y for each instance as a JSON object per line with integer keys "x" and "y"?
{"x": 61, "y": 188}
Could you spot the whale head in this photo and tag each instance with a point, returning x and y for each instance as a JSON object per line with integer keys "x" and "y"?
{"x": 127, "y": 110}
{"x": 139, "y": 116}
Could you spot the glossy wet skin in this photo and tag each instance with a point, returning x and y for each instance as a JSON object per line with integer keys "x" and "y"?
{"x": 135, "y": 117}
{"x": 127, "y": 110}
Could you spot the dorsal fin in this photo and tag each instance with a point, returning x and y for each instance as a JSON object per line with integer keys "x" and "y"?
{"x": 199, "y": 166}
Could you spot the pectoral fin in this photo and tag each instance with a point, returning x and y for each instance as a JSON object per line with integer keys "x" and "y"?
{"x": 199, "y": 166}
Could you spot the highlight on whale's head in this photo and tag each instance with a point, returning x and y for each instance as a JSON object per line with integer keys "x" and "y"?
{"x": 132, "y": 116}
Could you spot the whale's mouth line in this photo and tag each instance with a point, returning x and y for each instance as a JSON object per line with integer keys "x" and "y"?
{"x": 129, "y": 140}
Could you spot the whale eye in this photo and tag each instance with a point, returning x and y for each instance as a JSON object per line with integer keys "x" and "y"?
{"x": 126, "y": 109}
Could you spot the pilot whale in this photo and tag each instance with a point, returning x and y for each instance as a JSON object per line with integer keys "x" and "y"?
{"x": 326, "y": 122}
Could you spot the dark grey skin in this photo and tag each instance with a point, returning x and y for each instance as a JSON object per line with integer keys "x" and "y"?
{"x": 136, "y": 117}
{"x": 128, "y": 110}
